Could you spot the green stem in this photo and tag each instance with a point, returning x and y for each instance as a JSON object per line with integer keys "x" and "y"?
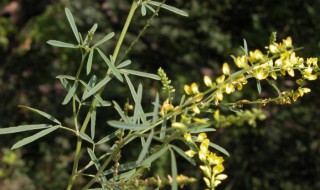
{"x": 95, "y": 101}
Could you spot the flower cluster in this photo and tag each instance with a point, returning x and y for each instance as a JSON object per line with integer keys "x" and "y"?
{"x": 212, "y": 166}
{"x": 279, "y": 60}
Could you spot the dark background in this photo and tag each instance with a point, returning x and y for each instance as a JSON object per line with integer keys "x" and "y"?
{"x": 281, "y": 153}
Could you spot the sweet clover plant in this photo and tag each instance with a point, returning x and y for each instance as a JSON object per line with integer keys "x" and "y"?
{"x": 160, "y": 130}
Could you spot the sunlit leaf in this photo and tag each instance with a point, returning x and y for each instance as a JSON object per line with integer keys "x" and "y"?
{"x": 181, "y": 153}
{"x": 169, "y": 8}
{"x": 219, "y": 148}
{"x": 259, "y": 86}
{"x": 48, "y": 116}
{"x": 174, "y": 171}
{"x": 34, "y": 137}
{"x": 22, "y": 128}
{"x": 123, "y": 167}
{"x": 72, "y": 24}
{"x": 155, "y": 114}
{"x": 109, "y": 137}
{"x": 123, "y": 125}
{"x": 71, "y": 93}
{"x": 124, "y": 64}
{"x": 91, "y": 31}
{"x": 143, "y": 10}
{"x": 145, "y": 148}
{"x": 86, "y": 137}
{"x": 93, "y": 123}
{"x": 61, "y": 44}
{"x": 89, "y": 62}
{"x": 121, "y": 112}
{"x": 141, "y": 74}
{"x": 96, "y": 88}
{"x": 110, "y": 64}
{"x": 104, "y": 39}
{"x": 154, "y": 156}
{"x": 163, "y": 128}
{"x": 66, "y": 77}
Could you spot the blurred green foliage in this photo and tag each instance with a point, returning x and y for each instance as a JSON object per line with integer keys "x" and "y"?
{"x": 281, "y": 153}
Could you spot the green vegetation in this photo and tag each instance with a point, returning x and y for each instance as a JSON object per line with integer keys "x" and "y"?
{"x": 106, "y": 116}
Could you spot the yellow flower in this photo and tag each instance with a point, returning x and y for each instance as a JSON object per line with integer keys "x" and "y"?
{"x": 273, "y": 48}
{"x": 195, "y": 109}
{"x": 219, "y": 96}
{"x": 229, "y": 88}
{"x": 194, "y": 88}
{"x": 241, "y": 62}
{"x": 255, "y": 56}
{"x": 187, "y": 89}
{"x": 207, "y": 81}
{"x": 287, "y": 42}
{"x": 220, "y": 79}
{"x": 206, "y": 171}
{"x": 179, "y": 126}
{"x": 218, "y": 169}
{"x": 260, "y": 74}
{"x": 188, "y": 137}
{"x": 226, "y": 69}
{"x": 221, "y": 177}
{"x": 214, "y": 159}
{"x": 204, "y": 146}
{"x": 190, "y": 153}
{"x": 202, "y": 155}
{"x": 201, "y": 136}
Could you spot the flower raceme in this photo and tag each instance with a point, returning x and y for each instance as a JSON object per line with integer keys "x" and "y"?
{"x": 278, "y": 60}
{"x": 212, "y": 165}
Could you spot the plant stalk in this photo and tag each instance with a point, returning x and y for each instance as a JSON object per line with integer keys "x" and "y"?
{"x": 95, "y": 101}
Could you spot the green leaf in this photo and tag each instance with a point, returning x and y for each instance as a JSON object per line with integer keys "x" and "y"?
{"x": 181, "y": 153}
{"x": 34, "y": 137}
{"x": 72, "y": 24}
{"x": 86, "y": 137}
{"x": 245, "y": 47}
{"x": 94, "y": 159}
{"x": 123, "y": 167}
{"x": 150, "y": 8}
{"x": 50, "y": 117}
{"x": 93, "y": 123}
{"x": 71, "y": 93}
{"x": 109, "y": 137}
{"x": 201, "y": 130}
{"x": 96, "y": 88}
{"x": 138, "y": 111}
{"x": 141, "y": 74}
{"x": 129, "y": 126}
{"x": 61, "y": 44}
{"x": 143, "y": 10}
{"x": 92, "y": 31}
{"x": 174, "y": 171}
{"x": 169, "y": 8}
{"x": 22, "y": 128}
{"x": 219, "y": 148}
{"x": 66, "y": 77}
{"x": 154, "y": 156}
{"x": 110, "y": 64}
{"x": 104, "y": 39}
{"x": 163, "y": 128}
{"x": 155, "y": 114}
{"x": 259, "y": 86}
{"x": 89, "y": 62}
{"x": 145, "y": 148}
{"x": 121, "y": 112}
{"x": 124, "y": 64}
{"x": 275, "y": 87}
